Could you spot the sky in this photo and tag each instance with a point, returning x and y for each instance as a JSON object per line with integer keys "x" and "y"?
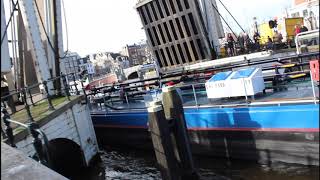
{"x": 108, "y": 25}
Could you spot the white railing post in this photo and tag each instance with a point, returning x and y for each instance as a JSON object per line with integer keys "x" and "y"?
{"x": 245, "y": 90}
{"x": 126, "y": 98}
{"x": 313, "y": 90}
{"x": 195, "y": 95}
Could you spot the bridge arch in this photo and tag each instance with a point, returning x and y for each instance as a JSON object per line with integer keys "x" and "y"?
{"x": 66, "y": 157}
{"x": 133, "y": 75}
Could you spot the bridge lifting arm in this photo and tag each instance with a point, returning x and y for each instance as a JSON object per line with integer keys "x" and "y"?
{"x": 31, "y": 23}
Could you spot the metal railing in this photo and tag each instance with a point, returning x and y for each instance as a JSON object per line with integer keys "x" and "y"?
{"x": 279, "y": 86}
{"x": 28, "y": 98}
{"x": 42, "y": 150}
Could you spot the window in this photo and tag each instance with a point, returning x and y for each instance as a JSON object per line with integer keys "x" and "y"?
{"x": 175, "y": 54}
{"x": 200, "y": 48}
{"x": 158, "y": 7}
{"x": 154, "y": 11}
{"x": 179, "y": 27}
{"x": 161, "y": 33}
{"x": 295, "y": 14}
{"x": 163, "y": 57}
{"x": 169, "y": 56}
{"x": 142, "y": 15}
{"x": 173, "y": 30}
{"x": 166, "y": 7}
{"x": 155, "y": 34}
{"x": 305, "y": 13}
{"x": 181, "y": 53}
{"x": 195, "y": 31}
{"x": 167, "y": 31}
{"x": 186, "y": 3}
{"x": 151, "y": 38}
{"x": 186, "y": 26}
{"x": 172, "y": 7}
{"x": 179, "y": 5}
{"x": 187, "y": 51}
{"x": 148, "y": 13}
{"x": 194, "y": 50}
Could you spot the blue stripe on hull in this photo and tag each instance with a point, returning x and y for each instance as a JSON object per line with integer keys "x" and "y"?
{"x": 277, "y": 117}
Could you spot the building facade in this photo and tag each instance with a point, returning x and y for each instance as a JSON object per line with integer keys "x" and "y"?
{"x": 309, "y": 10}
{"x": 137, "y": 53}
{"x": 108, "y": 62}
{"x": 176, "y": 31}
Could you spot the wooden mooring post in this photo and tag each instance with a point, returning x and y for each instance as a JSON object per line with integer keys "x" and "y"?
{"x": 170, "y": 139}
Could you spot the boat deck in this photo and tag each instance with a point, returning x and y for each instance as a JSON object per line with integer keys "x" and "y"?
{"x": 294, "y": 92}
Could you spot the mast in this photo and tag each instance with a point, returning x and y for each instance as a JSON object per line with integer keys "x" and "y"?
{"x": 56, "y": 47}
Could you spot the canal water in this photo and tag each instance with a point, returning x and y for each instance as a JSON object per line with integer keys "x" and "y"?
{"x": 130, "y": 164}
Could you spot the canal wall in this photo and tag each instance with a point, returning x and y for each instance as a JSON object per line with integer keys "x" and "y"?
{"x": 69, "y": 130}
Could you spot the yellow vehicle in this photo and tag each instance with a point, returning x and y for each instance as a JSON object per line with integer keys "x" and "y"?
{"x": 285, "y": 26}
{"x": 265, "y": 31}
{"x": 289, "y": 25}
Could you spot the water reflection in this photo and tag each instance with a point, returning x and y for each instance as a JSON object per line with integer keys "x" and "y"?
{"x": 131, "y": 164}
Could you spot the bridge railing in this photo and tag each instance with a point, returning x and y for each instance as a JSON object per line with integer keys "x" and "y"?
{"x": 42, "y": 151}
{"x": 27, "y": 98}
{"x": 28, "y": 122}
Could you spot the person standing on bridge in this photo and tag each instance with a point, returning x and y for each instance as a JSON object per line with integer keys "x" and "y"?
{"x": 297, "y": 29}
{"x": 5, "y": 92}
{"x": 256, "y": 38}
{"x": 230, "y": 41}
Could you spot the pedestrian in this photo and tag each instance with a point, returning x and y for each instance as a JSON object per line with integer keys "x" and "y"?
{"x": 241, "y": 43}
{"x": 303, "y": 28}
{"x": 270, "y": 43}
{"x": 5, "y": 92}
{"x": 297, "y": 29}
{"x": 256, "y": 38}
{"x": 230, "y": 41}
{"x": 246, "y": 42}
